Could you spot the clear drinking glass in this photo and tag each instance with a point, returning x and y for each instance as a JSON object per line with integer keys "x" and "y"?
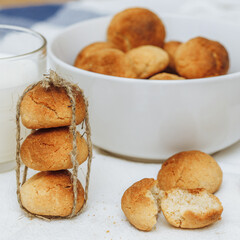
{"x": 22, "y": 62}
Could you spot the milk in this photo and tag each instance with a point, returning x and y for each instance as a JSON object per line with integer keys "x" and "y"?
{"x": 15, "y": 75}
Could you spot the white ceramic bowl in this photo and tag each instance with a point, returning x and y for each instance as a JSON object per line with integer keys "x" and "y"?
{"x": 152, "y": 120}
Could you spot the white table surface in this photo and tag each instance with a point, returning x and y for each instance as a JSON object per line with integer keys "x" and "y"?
{"x": 110, "y": 176}
{"x": 103, "y": 218}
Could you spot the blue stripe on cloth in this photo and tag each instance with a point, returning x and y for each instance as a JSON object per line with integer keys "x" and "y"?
{"x": 36, "y": 13}
{"x": 54, "y": 14}
{"x": 67, "y": 16}
{"x": 27, "y": 16}
{"x": 16, "y": 21}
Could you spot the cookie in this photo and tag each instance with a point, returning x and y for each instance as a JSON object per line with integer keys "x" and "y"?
{"x": 135, "y": 27}
{"x": 189, "y": 170}
{"x": 148, "y": 60}
{"x": 200, "y": 58}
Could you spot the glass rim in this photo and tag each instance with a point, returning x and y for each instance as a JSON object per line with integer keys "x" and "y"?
{"x": 26, "y": 30}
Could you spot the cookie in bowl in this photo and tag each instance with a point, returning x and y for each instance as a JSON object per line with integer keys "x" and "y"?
{"x": 135, "y": 27}
{"x": 200, "y": 58}
{"x": 171, "y": 48}
{"x": 108, "y": 61}
{"x": 166, "y": 76}
{"x": 148, "y": 60}
{"x": 91, "y": 48}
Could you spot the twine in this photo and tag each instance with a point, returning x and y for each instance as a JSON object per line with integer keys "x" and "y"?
{"x": 54, "y": 80}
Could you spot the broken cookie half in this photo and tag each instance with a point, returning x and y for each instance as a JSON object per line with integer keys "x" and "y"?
{"x": 191, "y": 208}
{"x": 140, "y": 203}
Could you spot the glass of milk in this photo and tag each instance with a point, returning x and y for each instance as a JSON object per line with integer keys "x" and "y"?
{"x": 22, "y": 62}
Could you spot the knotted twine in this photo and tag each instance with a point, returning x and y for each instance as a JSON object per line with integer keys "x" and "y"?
{"x": 53, "y": 79}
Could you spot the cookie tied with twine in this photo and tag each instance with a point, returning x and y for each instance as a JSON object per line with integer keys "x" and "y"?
{"x": 62, "y": 184}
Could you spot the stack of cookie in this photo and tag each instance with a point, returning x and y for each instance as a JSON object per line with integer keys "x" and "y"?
{"x": 48, "y": 149}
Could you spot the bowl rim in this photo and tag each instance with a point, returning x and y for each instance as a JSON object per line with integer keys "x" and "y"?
{"x": 76, "y": 70}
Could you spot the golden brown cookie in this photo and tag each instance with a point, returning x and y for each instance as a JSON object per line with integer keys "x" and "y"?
{"x": 51, "y": 194}
{"x": 89, "y": 49}
{"x": 166, "y": 76}
{"x": 135, "y": 27}
{"x": 171, "y": 48}
{"x": 200, "y": 57}
{"x": 148, "y": 60}
{"x": 191, "y": 208}
{"x": 110, "y": 62}
{"x": 48, "y": 108}
{"x": 140, "y": 204}
{"x": 50, "y": 149}
{"x": 189, "y": 170}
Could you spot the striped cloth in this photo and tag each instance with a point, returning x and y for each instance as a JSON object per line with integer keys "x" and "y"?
{"x": 49, "y": 19}
{"x": 54, "y": 14}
